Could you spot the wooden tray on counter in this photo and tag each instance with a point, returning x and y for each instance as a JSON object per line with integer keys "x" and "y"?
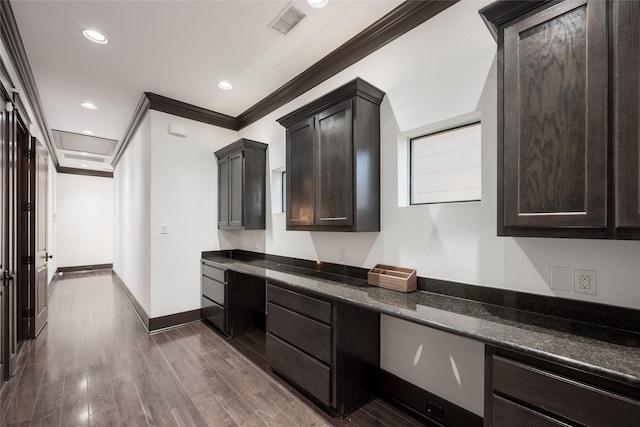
{"x": 395, "y": 278}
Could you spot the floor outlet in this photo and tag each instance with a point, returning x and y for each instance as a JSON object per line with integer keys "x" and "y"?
{"x": 584, "y": 281}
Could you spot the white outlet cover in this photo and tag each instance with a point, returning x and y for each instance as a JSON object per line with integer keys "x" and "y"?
{"x": 592, "y": 280}
{"x": 560, "y": 278}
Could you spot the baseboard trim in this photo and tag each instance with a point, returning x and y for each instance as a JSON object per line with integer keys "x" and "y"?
{"x": 137, "y": 307}
{"x": 173, "y": 320}
{"x": 84, "y": 268}
{"x": 155, "y": 324}
{"x": 414, "y": 399}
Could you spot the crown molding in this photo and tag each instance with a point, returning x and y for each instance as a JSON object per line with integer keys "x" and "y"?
{"x": 400, "y": 20}
{"x": 12, "y": 41}
{"x": 188, "y": 111}
{"x": 138, "y": 116}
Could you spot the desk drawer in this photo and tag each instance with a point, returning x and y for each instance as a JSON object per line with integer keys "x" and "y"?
{"x": 214, "y": 290}
{"x": 309, "y": 373}
{"x": 214, "y": 314}
{"x": 509, "y": 414}
{"x": 562, "y": 396}
{"x": 304, "y": 333}
{"x": 214, "y": 273}
{"x": 309, "y": 306}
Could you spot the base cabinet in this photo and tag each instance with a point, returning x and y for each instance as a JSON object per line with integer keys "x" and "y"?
{"x": 527, "y": 392}
{"x": 329, "y": 350}
{"x": 232, "y": 302}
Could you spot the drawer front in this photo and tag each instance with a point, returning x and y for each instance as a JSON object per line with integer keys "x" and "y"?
{"x": 214, "y": 313}
{"x": 213, "y": 290}
{"x": 509, "y": 414}
{"x": 311, "y": 307}
{"x": 214, "y": 273}
{"x": 310, "y": 374}
{"x": 570, "y": 399}
{"x": 307, "y": 334}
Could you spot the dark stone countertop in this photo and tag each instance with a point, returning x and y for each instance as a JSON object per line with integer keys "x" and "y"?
{"x": 603, "y": 351}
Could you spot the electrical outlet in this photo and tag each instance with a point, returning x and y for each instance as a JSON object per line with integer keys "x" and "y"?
{"x": 164, "y": 229}
{"x": 584, "y": 281}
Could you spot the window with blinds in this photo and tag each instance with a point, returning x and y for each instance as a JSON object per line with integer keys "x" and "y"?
{"x": 445, "y": 166}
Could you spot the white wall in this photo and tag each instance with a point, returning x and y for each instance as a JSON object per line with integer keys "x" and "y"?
{"x": 184, "y": 188}
{"x": 132, "y": 213}
{"x": 84, "y": 220}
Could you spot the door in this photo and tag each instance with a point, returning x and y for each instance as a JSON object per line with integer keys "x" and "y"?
{"x": 10, "y": 154}
{"x": 4, "y": 283}
{"x": 40, "y": 294}
{"x": 24, "y": 222}
{"x": 223, "y": 192}
{"x": 236, "y": 189}
{"x": 300, "y": 181}
{"x": 334, "y": 174}
{"x": 555, "y": 99}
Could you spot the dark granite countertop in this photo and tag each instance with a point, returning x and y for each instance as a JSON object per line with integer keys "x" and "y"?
{"x": 604, "y": 351}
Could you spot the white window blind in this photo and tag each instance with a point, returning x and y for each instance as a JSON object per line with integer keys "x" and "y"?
{"x": 445, "y": 166}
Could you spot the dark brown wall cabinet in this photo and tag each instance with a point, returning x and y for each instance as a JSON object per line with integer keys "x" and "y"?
{"x": 242, "y": 169}
{"x": 568, "y": 108}
{"x": 329, "y": 349}
{"x": 333, "y": 161}
{"x": 522, "y": 391}
{"x": 232, "y": 302}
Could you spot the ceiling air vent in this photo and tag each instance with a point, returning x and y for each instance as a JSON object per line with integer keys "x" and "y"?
{"x": 286, "y": 19}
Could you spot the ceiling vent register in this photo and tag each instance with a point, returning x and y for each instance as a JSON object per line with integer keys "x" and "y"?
{"x": 288, "y": 18}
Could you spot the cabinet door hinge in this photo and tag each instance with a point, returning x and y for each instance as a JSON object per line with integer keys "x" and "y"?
{"x": 28, "y": 154}
{"x": 28, "y": 260}
{"x": 28, "y": 313}
{"x": 26, "y": 206}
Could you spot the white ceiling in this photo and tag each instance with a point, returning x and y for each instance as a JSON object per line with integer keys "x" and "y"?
{"x": 178, "y": 49}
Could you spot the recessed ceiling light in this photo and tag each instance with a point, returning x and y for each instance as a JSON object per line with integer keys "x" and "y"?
{"x": 84, "y": 166}
{"x": 95, "y": 36}
{"x": 225, "y": 85}
{"x": 317, "y": 4}
{"x": 89, "y": 106}
{"x": 88, "y": 132}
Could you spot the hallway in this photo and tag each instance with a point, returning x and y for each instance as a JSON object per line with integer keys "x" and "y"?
{"x": 94, "y": 364}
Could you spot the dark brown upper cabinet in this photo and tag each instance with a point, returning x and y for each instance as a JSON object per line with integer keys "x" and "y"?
{"x": 626, "y": 123}
{"x": 242, "y": 169}
{"x": 565, "y": 150}
{"x": 333, "y": 161}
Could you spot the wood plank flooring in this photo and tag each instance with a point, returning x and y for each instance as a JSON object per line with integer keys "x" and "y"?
{"x": 94, "y": 364}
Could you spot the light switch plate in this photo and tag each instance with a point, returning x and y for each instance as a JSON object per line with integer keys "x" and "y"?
{"x": 560, "y": 278}
{"x": 164, "y": 229}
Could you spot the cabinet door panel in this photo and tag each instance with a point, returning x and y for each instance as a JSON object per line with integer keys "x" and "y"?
{"x": 300, "y": 183}
{"x": 626, "y": 18}
{"x": 223, "y": 191}
{"x": 236, "y": 189}
{"x": 555, "y": 108}
{"x": 334, "y": 176}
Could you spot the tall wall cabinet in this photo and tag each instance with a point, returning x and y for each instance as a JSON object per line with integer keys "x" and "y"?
{"x": 242, "y": 169}
{"x": 568, "y": 108}
{"x": 333, "y": 161}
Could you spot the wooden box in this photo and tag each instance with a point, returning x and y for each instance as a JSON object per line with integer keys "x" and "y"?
{"x": 395, "y": 278}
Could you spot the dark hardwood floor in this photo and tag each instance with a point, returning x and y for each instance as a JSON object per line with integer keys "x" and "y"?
{"x": 94, "y": 364}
